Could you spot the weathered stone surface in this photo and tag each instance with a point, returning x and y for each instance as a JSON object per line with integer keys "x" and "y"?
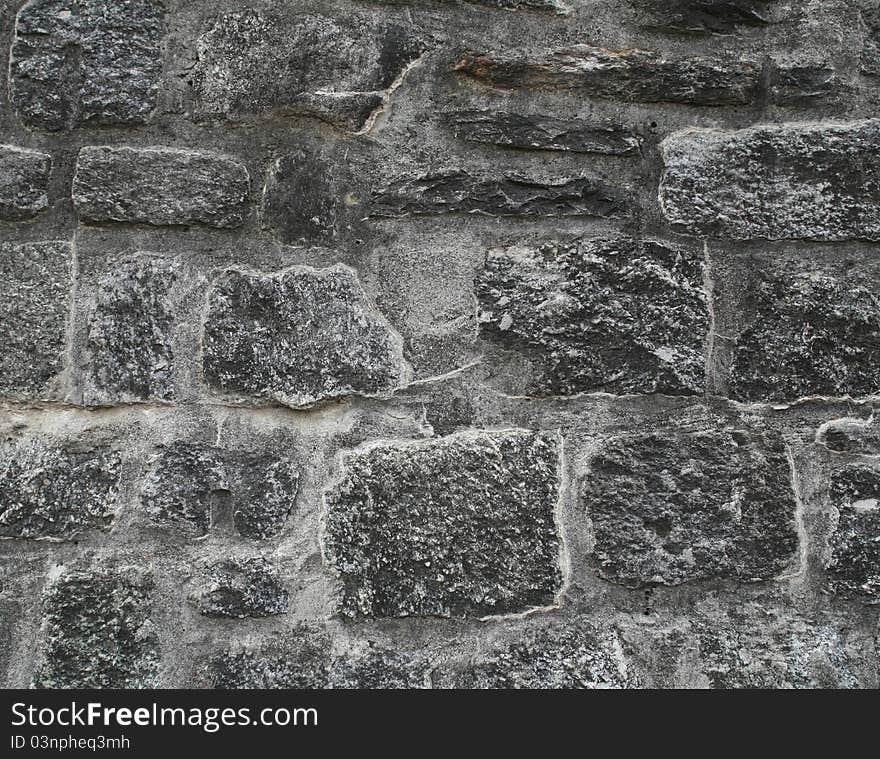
{"x": 98, "y": 632}
{"x": 792, "y": 181}
{"x": 805, "y": 84}
{"x": 628, "y": 75}
{"x": 37, "y": 281}
{"x": 576, "y": 655}
{"x": 555, "y": 6}
{"x": 379, "y": 669}
{"x": 197, "y": 485}
{"x": 673, "y": 507}
{"x": 339, "y": 70}
{"x": 460, "y": 192}
{"x": 240, "y": 588}
{"x": 850, "y": 435}
{"x": 461, "y": 526}
{"x": 92, "y": 62}
{"x": 854, "y": 567}
{"x": 131, "y": 333}
{"x": 301, "y": 659}
{"x": 707, "y": 16}
{"x": 299, "y": 200}
{"x": 809, "y": 334}
{"x": 47, "y": 491}
{"x": 24, "y": 176}
{"x": 538, "y": 132}
{"x": 300, "y": 337}
{"x": 870, "y": 59}
{"x": 617, "y": 316}
{"x": 160, "y": 186}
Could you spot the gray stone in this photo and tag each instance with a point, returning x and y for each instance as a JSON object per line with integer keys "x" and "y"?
{"x": 849, "y": 435}
{"x": 241, "y": 588}
{"x": 805, "y": 85}
{"x": 299, "y": 337}
{"x": 462, "y": 526}
{"x": 91, "y": 62}
{"x": 47, "y": 491}
{"x": 629, "y": 75}
{"x": 339, "y": 70}
{"x": 98, "y": 632}
{"x": 673, "y": 507}
{"x": 854, "y": 566}
{"x": 201, "y": 486}
{"x": 870, "y": 58}
{"x": 24, "y": 177}
{"x": 792, "y": 181}
{"x": 299, "y": 660}
{"x": 573, "y": 655}
{"x": 37, "y": 282}
{"x": 379, "y": 669}
{"x": 807, "y": 334}
{"x": 131, "y": 332}
{"x": 617, "y": 316}
{"x": 460, "y": 192}
{"x": 528, "y": 132}
{"x": 160, "y": 186}
{"x": 706, "y": 16}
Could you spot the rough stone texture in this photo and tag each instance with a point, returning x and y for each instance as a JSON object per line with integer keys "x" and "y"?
{"x": 628, "y": 75}
{"x": 193, "y": 485}
{"x": 615, "y": 316}
{"x": 33, "y": 316}
{"x": 526, "y": 132}
{"x": 809, "y": 334}
{"x": 24, "y": 177}
{"x": 805, "y": 85}
{"x": 462, "y": 526}
{"x": 160, "y": 186}
{"x": 460, "y": 192}
{"x": 98, "y": 632}
{"x": 340, "y": 70}
{"x": 854, "y": 567}
{"x": 379, "y": 669}
{"x": 870, "y": 60}
{"x": 673, "y": 507}
{"x": 240, "y": 588}
{"x": 707, "y": 16}
{"x": 573, "y": 656}
{"x": 848, "y": 435}
{"x": 300, "y": 660}
{"x": 55, "y": 492}
{"x": 130, "y": 339}
{"x": 779, "y": 182}
{"x": 299, "y": 337}
{"x": 92, "y": 62}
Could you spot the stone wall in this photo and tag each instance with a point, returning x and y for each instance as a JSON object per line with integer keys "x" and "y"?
{"x": 425, "y": 343}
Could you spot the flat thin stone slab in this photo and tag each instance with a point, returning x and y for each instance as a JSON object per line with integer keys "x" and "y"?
{"x": 462, "y": 526}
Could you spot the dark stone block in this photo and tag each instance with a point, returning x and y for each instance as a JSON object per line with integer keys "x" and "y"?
{"x": 674, "y": 507}
{"x": 616, "y": 316}
{"x": 628, "y": 75}
{"x": 299, "y": 201}
{"x": 98, "y": 632}
{"x": 462, "y": 526}
{"x": 24, "y": 177}
{"x": 299, "y": 337}
{"x": 95, "y": 62}
{"x": 160, "y": 186}
{"x": 854, "y": 567}
{"x": 339, "y": 70}
{"x": 37, "y": 281}
{"x": 776, "y": 182}
{"x": 54, "y": 492}
{"x": 849, "y": 435}
{"x": 870, "y": 58}
{"x": 808, "y": 334}
{"x": 805, "y": 85}
{"x": 201, "y": 485}
{"x": 528, "y": 132}
{"x": 379, "y": 669}
{"x": 131, "y": 332}
{"x": 575, "y": 655}
{"x": 707, "y": 16}
{"x": 460, "y": 192}
{"x": 241, "y": 588}
{"x": 301, "y": 659}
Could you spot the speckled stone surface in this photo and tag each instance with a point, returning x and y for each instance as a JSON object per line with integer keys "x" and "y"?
{"x": 240, "y": 588}
{"x": 462, "y": 526}
{"x": 24, "y": 180}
